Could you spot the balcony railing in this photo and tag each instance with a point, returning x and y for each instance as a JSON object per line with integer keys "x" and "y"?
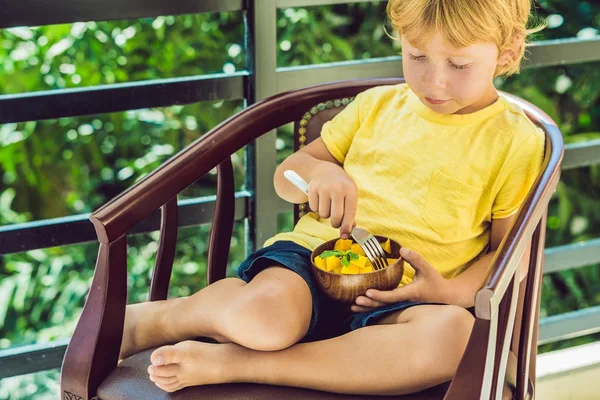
{"x": 261, "y": 80}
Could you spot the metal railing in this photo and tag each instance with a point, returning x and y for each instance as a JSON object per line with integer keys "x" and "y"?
{"x": 256, "y": 83}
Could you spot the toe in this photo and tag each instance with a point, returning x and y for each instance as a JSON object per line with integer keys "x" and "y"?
{"x": 172, "y": 380}
{"x": 169, "y": 387}
{"x": 166, "y": 355}
{"x": 164, "y": 371}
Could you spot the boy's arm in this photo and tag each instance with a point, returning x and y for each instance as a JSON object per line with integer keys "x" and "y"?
{"x": 430, "y": 286}
{"x": 309, "y": 161}
{"x": 469, "y": 282}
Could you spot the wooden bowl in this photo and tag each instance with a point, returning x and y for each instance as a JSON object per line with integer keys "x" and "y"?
{"x": 346, "y": 288}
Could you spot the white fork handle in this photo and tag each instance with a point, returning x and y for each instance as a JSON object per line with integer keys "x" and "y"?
{"x": 296, "y": 179}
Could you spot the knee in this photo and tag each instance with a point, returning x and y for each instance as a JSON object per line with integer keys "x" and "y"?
{"x": 454, "y": 326}
{"x": 272, "y": 319}
{"x": 457, "y": 323}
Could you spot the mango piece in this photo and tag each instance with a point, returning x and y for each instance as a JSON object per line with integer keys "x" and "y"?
{"x": 350, "y": 270}
{"x": 361, "y": 262}
{"x": 391, "y": 260}
{"x": 320, "y": 263}
{"x": 332, "y": 263}
{"x": 387, "y": 246}
{"x": 338, "y": 270}
{"x": 357, "y": 249}
{"x": 366, "y": 270}
{"x": 343, "y": 244}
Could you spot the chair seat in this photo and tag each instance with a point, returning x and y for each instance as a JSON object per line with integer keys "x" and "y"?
{"x": 129, "y": 381}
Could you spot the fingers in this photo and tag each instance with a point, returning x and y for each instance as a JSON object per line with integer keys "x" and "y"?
{"x": 358, "y": 309}
{"x": 349, "y": 220}
{"x": 415, "y": 260}
{"x": 367, "y": 302}
{"x": 404, "y": 293}
{"x": 313, "y": 199}
{"x": 324, "y": 205}
{"x": 337, "y": 210}
{"x": 336, "y": 201}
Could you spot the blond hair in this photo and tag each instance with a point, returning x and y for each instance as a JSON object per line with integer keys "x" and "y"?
{"x": 465, "y": 22}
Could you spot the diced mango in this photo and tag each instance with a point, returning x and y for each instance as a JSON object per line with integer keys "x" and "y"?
{"x": 320, "y": 263}
{"x": 357, "y": 249}
{"x": 342, "y": 244}
{"x": 350, "y": 270}
{"x": 332, "y": 263}
{"x": 391, "y": 260}
{"x": 361, "y": 262}
{"x": 387, "y": 246}
{"x": 366, "y": 270}
{"x": 338, "y": 270}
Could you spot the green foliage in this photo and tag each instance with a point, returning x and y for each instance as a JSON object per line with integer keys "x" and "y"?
{"x": 51, "y": 169}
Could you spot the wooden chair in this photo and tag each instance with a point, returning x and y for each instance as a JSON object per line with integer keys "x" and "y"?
{"x": 500, "y": 357}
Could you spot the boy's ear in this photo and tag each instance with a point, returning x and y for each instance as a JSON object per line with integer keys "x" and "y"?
{"x": 512, "y": 52}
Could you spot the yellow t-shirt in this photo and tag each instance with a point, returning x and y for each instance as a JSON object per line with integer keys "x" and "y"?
{"x": 431, "y": 182}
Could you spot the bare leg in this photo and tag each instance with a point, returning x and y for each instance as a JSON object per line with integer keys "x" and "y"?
{"x": 409, "y": 351}
{"x": 271, "y": 312}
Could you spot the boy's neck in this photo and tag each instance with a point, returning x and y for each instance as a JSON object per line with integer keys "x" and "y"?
{"x": 486, "y": 100}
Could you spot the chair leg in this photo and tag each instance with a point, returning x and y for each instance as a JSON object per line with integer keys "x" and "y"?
{"x": 93, "y": 351}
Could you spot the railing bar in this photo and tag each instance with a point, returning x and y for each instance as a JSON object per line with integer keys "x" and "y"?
{"x": 541, "y": 54}
{"x": 49, "y": 12}
{"x": 312, "y": 3}
{"x": 32, "y": 358}
{"x": 78, "y": 229}
{"x": 103, "y": 99}
{"x": 581, "y": 154}
{"x": 291, "y": 78}
{"x": 547, "y": 53}
{"x": 569, "y": 325}
{"x": 573, "y": 255}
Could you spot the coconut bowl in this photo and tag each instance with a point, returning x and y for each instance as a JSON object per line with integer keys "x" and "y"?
{"x": 346, "y": 288}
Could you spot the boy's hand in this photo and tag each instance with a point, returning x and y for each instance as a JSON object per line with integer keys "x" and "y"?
{"x": 428, "y": 285}
{"x": 333, "y": 194}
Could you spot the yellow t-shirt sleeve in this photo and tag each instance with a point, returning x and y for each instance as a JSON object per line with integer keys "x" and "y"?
{"x": 338, "y": 133}
{"x": 517, "y": 176}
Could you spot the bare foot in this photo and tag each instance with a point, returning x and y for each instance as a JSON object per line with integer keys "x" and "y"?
{"x": 191, "y": 363}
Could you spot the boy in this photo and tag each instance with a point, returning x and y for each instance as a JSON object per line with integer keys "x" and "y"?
{"x": 440, "y": 164}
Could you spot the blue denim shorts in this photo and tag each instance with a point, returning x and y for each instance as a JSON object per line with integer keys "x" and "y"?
{"x": 329, "y": 318}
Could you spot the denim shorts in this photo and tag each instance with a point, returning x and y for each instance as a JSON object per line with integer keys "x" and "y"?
{"x": 329, "y": 318}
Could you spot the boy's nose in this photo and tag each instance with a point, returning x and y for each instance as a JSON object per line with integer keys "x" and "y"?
{"x": 434, "y": 79}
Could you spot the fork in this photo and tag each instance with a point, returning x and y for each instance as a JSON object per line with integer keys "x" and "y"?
{"x": 371, "y": 247}
{"x": 364, "y": 238}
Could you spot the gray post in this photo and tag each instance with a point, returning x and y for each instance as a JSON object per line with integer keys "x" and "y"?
{"x": 261, "y": 155}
